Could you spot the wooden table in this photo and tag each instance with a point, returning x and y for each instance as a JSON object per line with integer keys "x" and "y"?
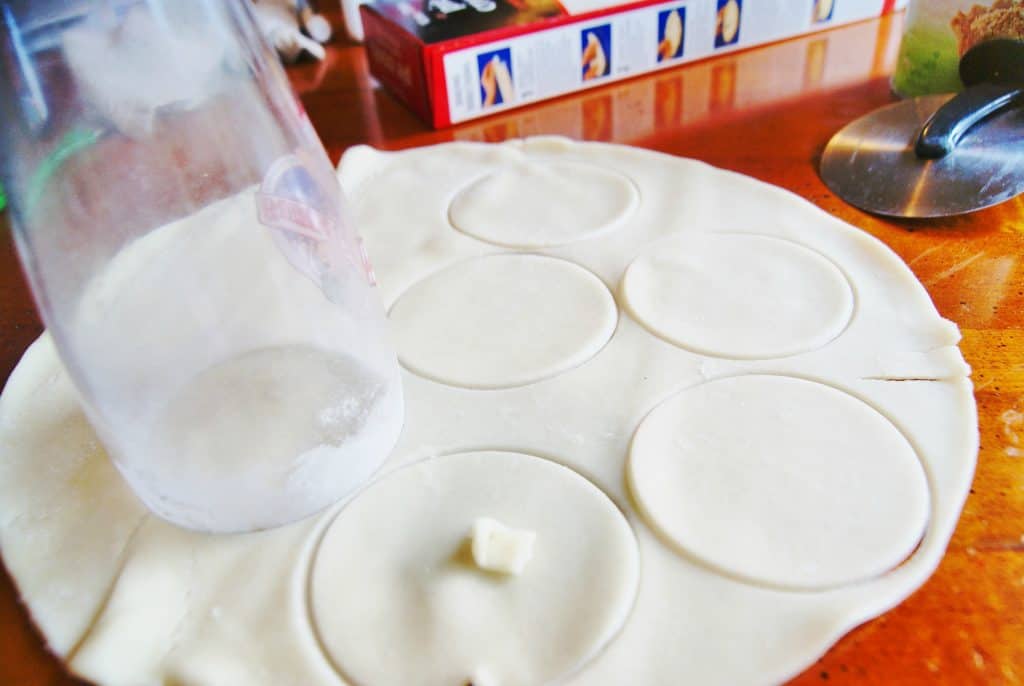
{"x": 767, "y": 113}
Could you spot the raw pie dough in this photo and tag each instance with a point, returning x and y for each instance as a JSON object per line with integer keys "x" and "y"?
{"x": 475, "y": 323}
{"x": 682, "y": 500}
{"x": 446, "y": 621}
{"x": 777, "y": 298}
{"x": 704, "y": 471}
{"x": 569, "y": 202}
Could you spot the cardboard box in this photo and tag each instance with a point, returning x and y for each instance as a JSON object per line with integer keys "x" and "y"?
{"x": 735, "y": 87}
{"x": 455, "y": 60}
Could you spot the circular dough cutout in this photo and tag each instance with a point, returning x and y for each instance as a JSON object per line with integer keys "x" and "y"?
{"x": 780, "y": 481}
{"x": 397, "y": 600}
{"x": 738, "y": 295}
{"x": 502, "y": 321}
{"x": 540, "y": 204}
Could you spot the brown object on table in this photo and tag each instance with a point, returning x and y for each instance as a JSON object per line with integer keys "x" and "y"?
{"x": 1002, "y": 19}
{"x": 767, "y": 113}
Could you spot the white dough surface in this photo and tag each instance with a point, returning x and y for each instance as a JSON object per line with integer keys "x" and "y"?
{"x": 736, "y": 295}
{"x": 781, "y": 481}
{"x": 682, "y": 483}
{"x": 416, "y": 609}
{"x": 534, "y": 204}
{"x": 476, "y": 323}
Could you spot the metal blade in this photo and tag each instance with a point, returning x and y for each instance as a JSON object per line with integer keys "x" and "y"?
{"x": 871, "y": 163}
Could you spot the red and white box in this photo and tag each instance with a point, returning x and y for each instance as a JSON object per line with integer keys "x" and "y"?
{"x": 455, "y": 60}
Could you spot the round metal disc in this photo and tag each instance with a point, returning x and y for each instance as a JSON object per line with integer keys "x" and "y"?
{"x": 871, "y": 163}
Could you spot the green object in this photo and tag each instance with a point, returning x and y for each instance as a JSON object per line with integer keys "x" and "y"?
{"x": 73, "y": 142}
{"x": 3, "y": 199}
{"x": 928, "y": 63}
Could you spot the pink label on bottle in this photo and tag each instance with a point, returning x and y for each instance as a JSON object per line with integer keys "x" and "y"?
{"x": 307, "y": 236}
{"x": 364, "y": 258}
{"x": 292, "y": 215}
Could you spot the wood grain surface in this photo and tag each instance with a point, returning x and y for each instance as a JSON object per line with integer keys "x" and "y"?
{"x": 767, "y": 113}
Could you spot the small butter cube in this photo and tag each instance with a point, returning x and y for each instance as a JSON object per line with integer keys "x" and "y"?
{"x": 498, "y": 548}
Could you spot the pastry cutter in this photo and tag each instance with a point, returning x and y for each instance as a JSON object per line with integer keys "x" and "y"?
{"x": 939, "y": 155}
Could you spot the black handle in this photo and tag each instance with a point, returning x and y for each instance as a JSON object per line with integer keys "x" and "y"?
{"x": 998, "y": 60}
{"x": 947, "y": 126}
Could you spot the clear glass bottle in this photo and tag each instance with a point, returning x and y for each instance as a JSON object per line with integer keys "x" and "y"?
{"x": 187, "y": 244}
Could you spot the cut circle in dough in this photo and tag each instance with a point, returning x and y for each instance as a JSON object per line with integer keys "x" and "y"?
{"x": 127, "y": 599}
{"x": 540, "y": 203}
{"x": 780, "y": 481}
{"x": 738, "y": 296}
{"x": 502, "y": 321}
{"x": 397, "y": 599}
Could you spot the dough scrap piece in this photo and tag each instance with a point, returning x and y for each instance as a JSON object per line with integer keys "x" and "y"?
{"x": 780, "y": 481}
{"x": 503, "y": 320}
{"x": 536, "y": 204}
{"x": 738, "y": 295}
{"x": 396, "y": 599}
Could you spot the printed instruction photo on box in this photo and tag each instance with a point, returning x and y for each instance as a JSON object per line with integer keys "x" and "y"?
{"x": 455, "y": 60}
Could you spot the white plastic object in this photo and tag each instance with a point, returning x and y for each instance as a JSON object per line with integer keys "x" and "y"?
{"x": 353, "y": 22}
{"x": 280, "y": 24}
{"x": 316, "y": 25}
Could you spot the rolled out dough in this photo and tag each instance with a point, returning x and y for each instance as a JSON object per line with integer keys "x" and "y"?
{"x": 730, "y": 452}
{"x": 535, "y": 205}
{"x": 416, "y": 608}
{"x": 780, "y": 481}
{"x": 736, "y": 295}
{"x": 476, "y": 323}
